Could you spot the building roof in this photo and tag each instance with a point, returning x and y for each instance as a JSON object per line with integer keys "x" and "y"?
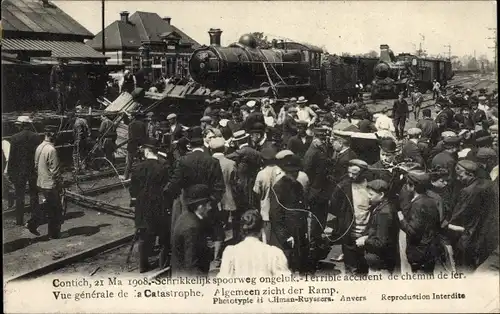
{"x": 141, "y": 26}
{"x": 58, "y": 49}
{"x": 36, "y": 16}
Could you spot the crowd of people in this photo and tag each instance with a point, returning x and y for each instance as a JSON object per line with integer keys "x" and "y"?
{"x": 259, "y": 189}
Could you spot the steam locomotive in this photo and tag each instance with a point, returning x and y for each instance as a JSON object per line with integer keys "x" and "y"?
{"x": 288, "y": 69}
{"x": 393, "y": 75}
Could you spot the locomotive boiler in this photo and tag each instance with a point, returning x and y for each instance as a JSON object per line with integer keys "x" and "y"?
{"x": 245, "y": 65}
{"x": 395, "y": 74}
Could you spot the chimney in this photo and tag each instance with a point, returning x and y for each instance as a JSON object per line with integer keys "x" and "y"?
{"x": 45, "y": 3}
{"x": 384, "y": 53}
{"x": 167, "y": 19}
{"x": 124, "y": 16}
{"x": 215, "y": 36}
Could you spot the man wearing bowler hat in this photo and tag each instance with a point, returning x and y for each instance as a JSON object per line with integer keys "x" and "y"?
{"x": 411, "y": 149}
{"x": 22, "y": 166}
{"x": 289, "y": 125}
{"x": 152, "y": 218}
{"x": 288, "y": 225}
{"x": 190, "y": 252}
{"x": 49, "y": 182}
{"x": 388, "y": 154}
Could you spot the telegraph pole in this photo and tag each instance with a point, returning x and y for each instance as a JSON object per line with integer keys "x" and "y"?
{"x": 420, "y": 46}
{"x": 449, "y": 50}
{"x": 495, "y": 48}
{"x": 103, "y": 44}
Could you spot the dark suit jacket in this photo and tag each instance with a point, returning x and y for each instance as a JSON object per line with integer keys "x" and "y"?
{"x": 412, "y": 151}
{"x": 22, "y": 153}
{"x": 430, "y": 129}
{"x": 342, "y": 163}
{"x": 197, "y": 168}
{"x": 137, "y": 134}
{"x": 382, "y": 232}
{"x": 190, "y": 253}
{"x": 477, "y": 211}
{"x": 421, "y": 225}
{"x": 289, "y": 129}
{"x": 298, "y": 147}
{"x": 340, "y": 207}
{"x": 177, "y": 133}
{"x": 478, "y": 116}
{"x": 146, "y": 185}
{"x": 316, "y": 167}
{"x": 400, "y": 109}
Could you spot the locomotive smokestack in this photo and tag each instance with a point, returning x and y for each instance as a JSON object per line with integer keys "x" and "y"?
{"x": 386, "y": 54}
{"x": 215, "y": 34}
{"x": 124, "y": 16}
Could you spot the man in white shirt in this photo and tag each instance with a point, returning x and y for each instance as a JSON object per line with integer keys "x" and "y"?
{"x": 304, "y": 112}
{"x": 436, "y": 87}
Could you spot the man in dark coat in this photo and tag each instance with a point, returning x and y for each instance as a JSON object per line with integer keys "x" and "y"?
{"x": 474, "y": 220}
{"x": 380, "y": 241}
{"x": 137, "y": 135}
{"x": 190, "y": 252}
{"x": 464, "y": 119}
{"x": 107, "y": 131}
{"x": 444, "y": 116}
{"x": 151, "y": 209}
{"x": 400, "y": 113}
{"x": 58, "y": 84}
{"x": 258, "y": 137}
{"x": 342, "y": 154}
{"x": 289, "y": 225}
{"x": 420, "y": 222}
{"x": 289, "y": 125}
{"x": 175, "y": 129}
{"x": 448, "y": 157}
{"x": 411, "y": 149}
{"x": 317, "y": 167}
{"x": 381, "y": 169}
{"x": 300, "y": 143}
{"x": 478, "y": 115}
{"x": 198, "y": 167}
{"x": 22, "y": 165}
{"x": 429, "y": 127}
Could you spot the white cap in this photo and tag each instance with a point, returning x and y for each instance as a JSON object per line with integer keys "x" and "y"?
{"x": 282, "y": 154}
{"x": 251, "y": 103}
{"x": 23, "y": 119}
{"x": 223, "y": 122}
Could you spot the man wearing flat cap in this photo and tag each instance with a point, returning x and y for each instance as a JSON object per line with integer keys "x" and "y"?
{"x": 380, "y": 239}
{"x": 411, "y": 149}
{"x": 487, "y": 161}
{"x": 152, "y": 217}
{"x": 448, "y": 158}
{"x": 477, "y": 114}
{"x": 444, "y": 116}
{"x": 349, "y": 205}
{"x": 190, "y": 252}
{"x": 479, "y": 142}
{"x": 49, "y": 182}
{"x": 420, "y": 222}
{"x": 22, "y": 166}
{"x": 175, "y": 128}
{"x": 342, "y": 153}
{"x": 473, "y": 223}
{"x": 429, "y": 127}
{"x": 289, "y": 226}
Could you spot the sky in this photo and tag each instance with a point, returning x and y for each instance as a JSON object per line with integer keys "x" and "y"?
{"x": 339, "y": 26}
